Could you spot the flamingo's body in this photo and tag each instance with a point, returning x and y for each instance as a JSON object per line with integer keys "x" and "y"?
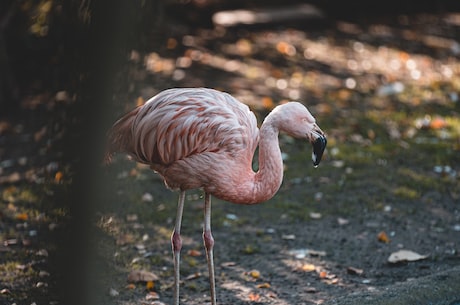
{"x": 203, "y": 138}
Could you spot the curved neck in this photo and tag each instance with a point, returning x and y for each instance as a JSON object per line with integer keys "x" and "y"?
{"x": 247, "y": 187}
{"x": 269, "y": 177}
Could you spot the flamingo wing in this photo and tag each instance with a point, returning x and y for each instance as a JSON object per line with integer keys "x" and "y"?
{"x": 178, "y": 123}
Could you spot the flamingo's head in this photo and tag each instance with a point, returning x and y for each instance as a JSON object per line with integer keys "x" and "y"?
{"x": 295, "y": 119}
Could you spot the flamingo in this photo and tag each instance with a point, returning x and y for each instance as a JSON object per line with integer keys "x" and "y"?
{"x": 204, "y": 138}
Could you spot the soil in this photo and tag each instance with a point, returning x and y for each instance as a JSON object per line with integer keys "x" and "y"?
{"x": 383, "y": 87}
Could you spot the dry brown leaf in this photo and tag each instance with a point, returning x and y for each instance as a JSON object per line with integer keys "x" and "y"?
{"x": 125, "y": 239}
{"x": 40, "y": 134}
{"x": 150, "y": 285}
{"x": 11, "y": 178}
{"x": 22, "y": 217}
{"x": 332, "y": 281}
{"x": 58, "y": 177}
{"x": 311, "y": 290}
{"x": 141, "y": 276}
{"x": 263, "y": 285}
{"x": 383, "y": 237}
{"x": 228, "y": 264}
{"x": 152, "y": 295}
{"x": 194, "y": 253}
{"x": 193, "y": 276}
{"x": 353, "y": 270}
{"x": 308, "y": 267}
{"x": 254, "y": 297}
{"x": 254, "y": 274}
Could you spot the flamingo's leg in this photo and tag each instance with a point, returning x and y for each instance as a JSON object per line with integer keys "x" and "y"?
{"x": 176, "y": 243}
{"x": 209, "y": 244}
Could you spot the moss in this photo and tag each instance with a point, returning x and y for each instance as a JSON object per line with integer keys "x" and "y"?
{"x": 406, "y": 192}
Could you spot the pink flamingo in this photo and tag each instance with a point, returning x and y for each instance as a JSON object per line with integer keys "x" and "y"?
{"x": 203, "y": 138}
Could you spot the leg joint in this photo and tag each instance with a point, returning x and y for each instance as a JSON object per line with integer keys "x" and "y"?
{"x": 176, "y": 242}
{"x": 208, "y": 239}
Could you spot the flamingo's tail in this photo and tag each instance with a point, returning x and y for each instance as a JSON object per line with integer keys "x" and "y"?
{"x": 119, "y": 136}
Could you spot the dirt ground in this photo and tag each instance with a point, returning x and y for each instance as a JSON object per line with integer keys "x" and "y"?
{"x": 385, "y": 90}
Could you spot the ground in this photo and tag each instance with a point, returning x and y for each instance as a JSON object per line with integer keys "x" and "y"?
{"x": 383, "y": 88}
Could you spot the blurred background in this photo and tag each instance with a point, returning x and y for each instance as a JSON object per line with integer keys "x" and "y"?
{"x": 381, "y": 77}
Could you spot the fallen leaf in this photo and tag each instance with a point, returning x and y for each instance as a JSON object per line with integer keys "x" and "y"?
{"x": 22, "y": 217}
{"x": 263, "y": 285}
{"x": 316, "y": 253}
{"x": 405, "y": 255}
{"x": 193, "y": 276}
{"x": 150, "y": 285}
{"x": 353, "y": 270}
{"x": 383, "y": 237}
{"x": 254, "y": 297}
{"x": 131, "y": 286}
{"x": 58, "y": 177}
{"x": 322, "y": 274}
{"x": 11, "y": 178}
{"x": 38, "y": 136}
{"x": 194, "y": 253}
{"x": 311, "y": 290}
{"x": 42, "y": 252}
{"x": 141, "y": 276}
{"x": 132, "y": 217}
{"x": 315, "y": 215}
{"x": 332, "y": 281}
{"x": 228, "y": 264}
{"x": 308, "y": 267}
{"x": 288, "y": 237}
{"x": 254, "y": 274}
{"x": 152, "y": 295}
{"x": 125, "y": 239}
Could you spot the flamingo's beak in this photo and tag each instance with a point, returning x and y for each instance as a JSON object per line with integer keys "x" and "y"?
{"x": 318, "y": 142}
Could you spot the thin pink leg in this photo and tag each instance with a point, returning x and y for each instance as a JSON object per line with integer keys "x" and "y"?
{"x": 176, "y": 243}
{"x": 209, "y": 245}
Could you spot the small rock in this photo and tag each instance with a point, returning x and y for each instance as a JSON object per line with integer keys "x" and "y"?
{"x": 288, "y": 236}
{"x": 41, "y": 284}
{"x": 113, "y": 292}
{"x": 147, "y": 197}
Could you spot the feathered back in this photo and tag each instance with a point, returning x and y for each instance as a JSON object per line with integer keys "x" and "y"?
{"x": 178, "y": 123}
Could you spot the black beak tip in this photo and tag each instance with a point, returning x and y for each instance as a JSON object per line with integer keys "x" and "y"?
{"x": 319, "y": 145}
